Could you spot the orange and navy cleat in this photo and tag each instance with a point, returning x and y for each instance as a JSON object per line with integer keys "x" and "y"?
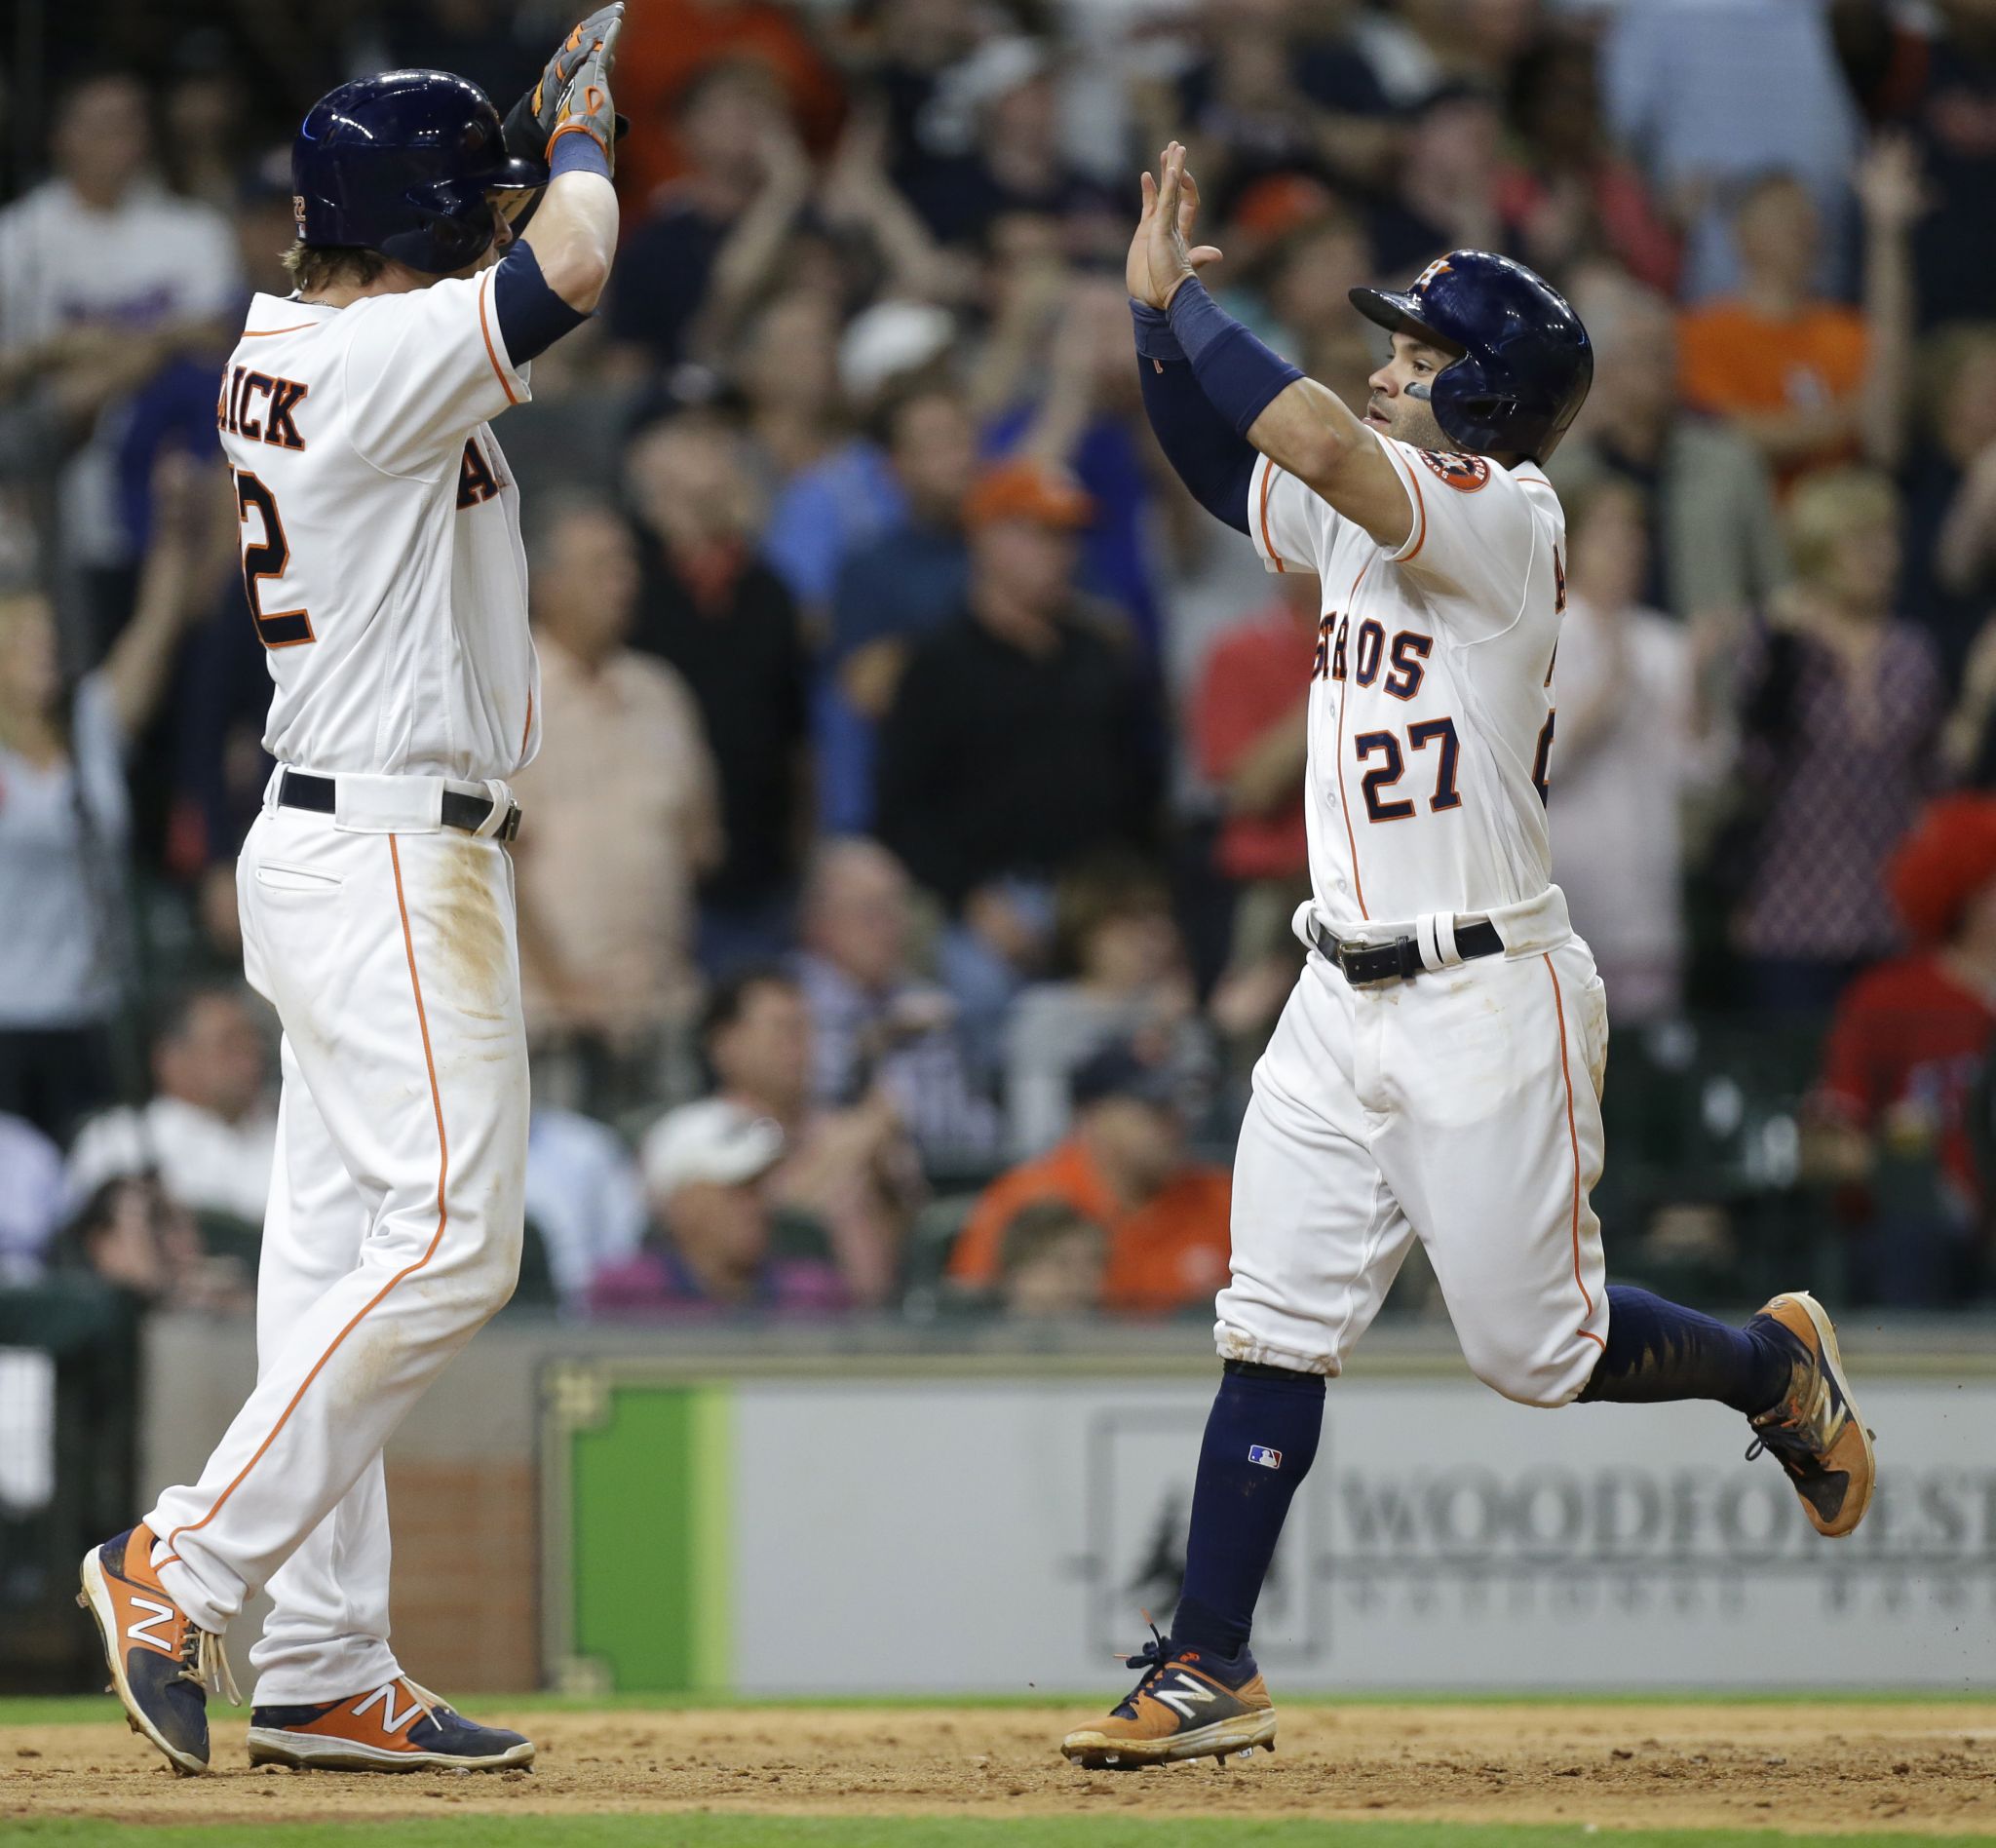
{"x": 1814, "y": 1431}
{"x": 398, "y": 1726}
{"x": 1189, "y": 1704}
{"x": 162, "y": 1663}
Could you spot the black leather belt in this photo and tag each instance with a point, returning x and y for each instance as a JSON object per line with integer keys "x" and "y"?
{"x": 468, "y": 813}
{"x": 1400, "y": 959}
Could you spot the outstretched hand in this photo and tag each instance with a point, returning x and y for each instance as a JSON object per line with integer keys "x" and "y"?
{"x": 1162, "y": 254}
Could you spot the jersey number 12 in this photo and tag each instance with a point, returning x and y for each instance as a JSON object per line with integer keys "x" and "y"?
{"x": 265, "y": 558}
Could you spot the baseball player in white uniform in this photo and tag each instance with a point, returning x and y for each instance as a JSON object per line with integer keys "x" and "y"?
{"x": 383, "y": 568}
{"x": 1436, "y": 1073}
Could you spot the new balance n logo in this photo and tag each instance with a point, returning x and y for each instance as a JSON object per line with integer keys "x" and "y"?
{"x": 161, "y": 1614}
{"x": 1184, "y": 1694}
{"x": 391, "y": 1720}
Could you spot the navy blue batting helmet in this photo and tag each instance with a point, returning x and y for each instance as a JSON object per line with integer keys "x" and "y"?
{"x": 404, "y": 164}
{"x": 1525, "y": 361}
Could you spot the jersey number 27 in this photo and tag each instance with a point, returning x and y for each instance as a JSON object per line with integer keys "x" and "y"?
{"x": 263, "y": 559}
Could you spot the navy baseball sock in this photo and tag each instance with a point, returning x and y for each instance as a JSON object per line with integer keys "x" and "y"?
{"x": 1260, "y": 1439}
{"x": 1658, "y": 1351}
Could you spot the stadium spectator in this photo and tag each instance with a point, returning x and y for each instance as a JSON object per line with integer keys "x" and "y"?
{"x": 695, "y": 261}
{"x": 63, "y": 817}
{"x": 1249, "y": 734}
{"x": 104, "y": 278}
{"x": 33, "y": 1192}
{"x": 1001, "y": 104}
{"x": 1052, "y": 1262}
{"x": 1443, "y": 194}
{"x": 712, "y": 606}
{"x": 1950, "y": 485}
{"x": 209, "y": 1132}
{"x": 1842, "y": 710}
{"x": 626, "y": 820}
{"x": 1950, "y": 117}
{"x": 712, "y": 1242}
{"x": 1317, "y": 252}
{"x": 851, "y": 1167}
{"x": 895, "y": 590}
{"x": 1708, "y": 93}
{"x": 1124, "y": 976}
{"x": 133, "y": 1237}
{"x": 1715, "y": 540}
{"x": 1635, "y": 740}
{"x": 1019, "y": 737}
{"x": 583, "y": 1196}
{"x": 1572, "y": 194}
{"x": 1904, "y": 1069}
{"x": 1839, "y": 381}
{"x": 666, "y": 46}
{"x": 1125, "y": 1168}
{"x": 874, "y": 1024}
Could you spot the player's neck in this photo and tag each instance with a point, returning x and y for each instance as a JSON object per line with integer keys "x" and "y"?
{"x": 396, "y": 280}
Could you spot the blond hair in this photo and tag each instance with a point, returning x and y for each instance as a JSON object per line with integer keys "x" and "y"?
{"x": 315, "y": 268}
{"x": 1827, "y": 507}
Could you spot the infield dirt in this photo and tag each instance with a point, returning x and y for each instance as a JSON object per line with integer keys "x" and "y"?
{"x": 1809, "y": 1769}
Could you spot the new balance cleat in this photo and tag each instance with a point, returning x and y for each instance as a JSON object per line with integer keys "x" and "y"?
{"x": 398, "y": 1726}
{"x": 1814, "y": 1431}
{"x": 1189, "y": 1704}
{"x": 162, "y": 1663}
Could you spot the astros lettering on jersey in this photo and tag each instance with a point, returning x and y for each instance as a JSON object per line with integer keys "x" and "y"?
{"x": 1431, "y": 716}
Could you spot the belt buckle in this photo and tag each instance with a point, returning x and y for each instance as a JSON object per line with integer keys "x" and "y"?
{"x": 508, "y": 829}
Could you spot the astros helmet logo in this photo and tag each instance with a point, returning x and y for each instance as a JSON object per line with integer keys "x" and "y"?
{"x": 1438, "y": 267}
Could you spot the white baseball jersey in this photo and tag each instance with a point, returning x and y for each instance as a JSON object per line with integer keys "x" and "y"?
{"x": 380, "y": 531}
{"x": 1431, "y": 710}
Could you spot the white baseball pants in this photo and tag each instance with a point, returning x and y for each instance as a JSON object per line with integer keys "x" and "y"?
{"x": 395, "y": 1219}
{"x": 1462, "y": 1109}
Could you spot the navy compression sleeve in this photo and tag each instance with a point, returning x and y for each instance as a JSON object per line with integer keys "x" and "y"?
{"x": 531, "y": 316}
{"x": 1200, "y": 444}
{"x": 1242, "y": 376}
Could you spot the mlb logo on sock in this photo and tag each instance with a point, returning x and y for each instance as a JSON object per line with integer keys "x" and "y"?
{"x": 1262, "y": 1454}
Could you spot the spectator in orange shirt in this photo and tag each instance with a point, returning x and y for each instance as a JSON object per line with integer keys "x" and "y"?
{"x": 1810, "y": 382}
{"x": 1124, "y": 1168}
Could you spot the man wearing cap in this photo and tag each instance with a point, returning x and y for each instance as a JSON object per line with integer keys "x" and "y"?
{"x": 1019, "y": 737}
{"x": 1125, "y": 1168}
{"x": 711, "y": 1245}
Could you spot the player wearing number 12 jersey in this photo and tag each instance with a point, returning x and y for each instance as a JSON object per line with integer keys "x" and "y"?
{"x": 383, "y": 568}
{"x": 1437, "y": 1072}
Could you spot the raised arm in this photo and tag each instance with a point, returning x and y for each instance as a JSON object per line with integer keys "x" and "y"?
{"x": 1298, "y": 424}
{"x": 568, "y": 119}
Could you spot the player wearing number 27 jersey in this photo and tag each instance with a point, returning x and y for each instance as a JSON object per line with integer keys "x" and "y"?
{"x": 1431, "y": 685}
{"x": 1437, "y": 1072}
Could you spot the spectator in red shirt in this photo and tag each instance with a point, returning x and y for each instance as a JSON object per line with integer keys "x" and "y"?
{"x": 1904, "y": 1064}
{"x": 1248, "y": 722}
{"x": 1248, "y": 727}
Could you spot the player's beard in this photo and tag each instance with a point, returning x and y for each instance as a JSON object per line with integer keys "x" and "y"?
{"x": 1413, "y": 421}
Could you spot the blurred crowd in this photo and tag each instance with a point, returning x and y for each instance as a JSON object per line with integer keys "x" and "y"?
{"x": 907, "y": 878}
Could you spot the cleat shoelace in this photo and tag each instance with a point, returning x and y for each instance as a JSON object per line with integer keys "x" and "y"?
{"x": 206, "y": 1663}
{"x": 1153, "y": 1659}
